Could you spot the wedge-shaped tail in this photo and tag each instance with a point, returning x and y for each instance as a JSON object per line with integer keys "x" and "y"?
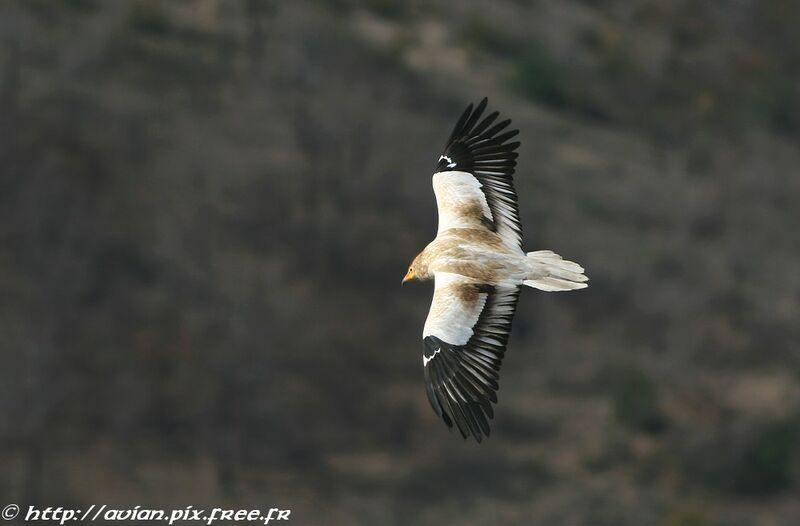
{"x": 551, "y": 273}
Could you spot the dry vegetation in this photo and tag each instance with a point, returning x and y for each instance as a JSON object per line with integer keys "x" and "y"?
{"x": 206, "y": 208}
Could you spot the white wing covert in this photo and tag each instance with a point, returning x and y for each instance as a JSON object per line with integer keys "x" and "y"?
{"x": 464, "y": 341}
{"x": 473, "y": 182}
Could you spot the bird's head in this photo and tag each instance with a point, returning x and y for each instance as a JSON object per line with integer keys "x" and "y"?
{"x": 418, "y": 269}
{"x": 411, "y": 274}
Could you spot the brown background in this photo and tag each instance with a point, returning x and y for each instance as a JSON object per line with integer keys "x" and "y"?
{"x": 206, "y": 209}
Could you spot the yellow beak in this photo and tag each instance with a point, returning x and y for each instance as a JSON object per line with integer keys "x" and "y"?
{"x": 409, "y": 276}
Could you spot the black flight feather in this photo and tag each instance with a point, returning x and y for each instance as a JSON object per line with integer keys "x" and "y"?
{"x": 478, "y": 147}
{"x": 461, "y": 380}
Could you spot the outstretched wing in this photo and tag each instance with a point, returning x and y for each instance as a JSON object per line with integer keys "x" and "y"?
{"x": 473, "y": 182}
{"x": 464, "y": 340}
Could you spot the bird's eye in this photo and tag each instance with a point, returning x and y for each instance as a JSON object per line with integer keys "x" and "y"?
{"x": 411, "y": 269}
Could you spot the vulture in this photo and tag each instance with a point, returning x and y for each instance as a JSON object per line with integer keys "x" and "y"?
{"x": 478, "y": 267}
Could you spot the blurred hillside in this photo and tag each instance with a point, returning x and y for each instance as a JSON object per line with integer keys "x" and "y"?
{"x": 206, "y": 208}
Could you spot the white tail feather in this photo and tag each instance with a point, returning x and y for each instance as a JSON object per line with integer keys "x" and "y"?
{"x": 551, "y": 273}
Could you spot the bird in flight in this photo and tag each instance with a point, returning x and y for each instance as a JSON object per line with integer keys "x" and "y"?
{"x": 479, "y": 267}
